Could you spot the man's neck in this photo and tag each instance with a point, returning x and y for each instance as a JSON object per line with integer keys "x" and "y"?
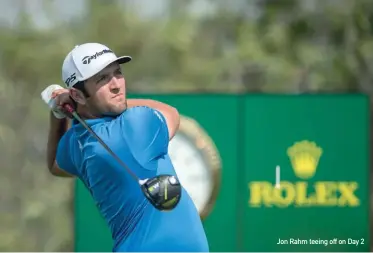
{"x": 84, "y": 114}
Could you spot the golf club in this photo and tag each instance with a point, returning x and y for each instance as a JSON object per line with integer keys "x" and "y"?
{"x": 162, "y": 191}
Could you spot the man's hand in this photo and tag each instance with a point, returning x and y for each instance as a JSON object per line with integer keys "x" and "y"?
{"x": 55, "y": 97}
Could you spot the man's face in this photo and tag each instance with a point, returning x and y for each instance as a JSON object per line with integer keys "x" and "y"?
{"x": 107, "y": 91}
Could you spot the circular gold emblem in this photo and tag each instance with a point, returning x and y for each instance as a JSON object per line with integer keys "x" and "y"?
{"x": 197, "y": 163}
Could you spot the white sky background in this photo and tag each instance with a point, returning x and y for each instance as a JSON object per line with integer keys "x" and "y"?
{"x": 64, "y": 10}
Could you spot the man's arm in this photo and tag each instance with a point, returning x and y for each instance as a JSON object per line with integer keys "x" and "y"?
{"x": 57, "y": 129}
{"x": 170, "y": 113}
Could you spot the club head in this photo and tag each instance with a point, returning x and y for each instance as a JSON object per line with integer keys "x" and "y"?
{"x": 163, "y": 191}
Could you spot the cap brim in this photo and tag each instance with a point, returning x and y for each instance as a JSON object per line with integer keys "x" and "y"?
{"x": 123, "y": 59}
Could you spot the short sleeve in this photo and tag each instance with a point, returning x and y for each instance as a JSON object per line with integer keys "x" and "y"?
{"x": 63, "y": 157}
{"x": 146, "y": 133}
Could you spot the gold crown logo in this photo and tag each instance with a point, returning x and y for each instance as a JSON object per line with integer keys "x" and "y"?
{"x": 304, "y": 157}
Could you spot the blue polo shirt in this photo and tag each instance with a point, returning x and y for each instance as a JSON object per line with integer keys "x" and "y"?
{"x": 139, "y": 136}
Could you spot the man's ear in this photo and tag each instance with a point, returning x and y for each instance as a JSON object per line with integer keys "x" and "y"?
{"x": 78, "y": 96}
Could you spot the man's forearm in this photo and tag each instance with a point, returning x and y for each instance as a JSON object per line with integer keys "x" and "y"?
{"x": 57, "y": 129}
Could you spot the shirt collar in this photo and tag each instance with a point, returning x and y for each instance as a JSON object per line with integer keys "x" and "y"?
{"x": 91, "y": 122}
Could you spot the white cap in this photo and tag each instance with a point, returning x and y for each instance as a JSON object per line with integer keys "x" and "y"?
{"x": 86, "y": 60}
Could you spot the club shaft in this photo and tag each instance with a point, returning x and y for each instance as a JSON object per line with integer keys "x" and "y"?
{"x": 86, "y": 126}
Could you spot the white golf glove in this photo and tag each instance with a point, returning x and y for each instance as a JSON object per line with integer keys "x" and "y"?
{"x": 46, "y": 95}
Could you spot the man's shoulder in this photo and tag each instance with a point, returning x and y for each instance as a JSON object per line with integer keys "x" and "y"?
{"x": 143, "y": 126}
{"x": 141, "y": 114}
{"x": 67, "y": 141}
{"x": 138, "y": 110}
{"x": 67, "y": 135}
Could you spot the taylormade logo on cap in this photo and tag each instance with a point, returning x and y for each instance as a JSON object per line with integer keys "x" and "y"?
{"x": 89, "y": 58}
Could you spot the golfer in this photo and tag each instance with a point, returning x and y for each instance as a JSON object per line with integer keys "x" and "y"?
{"x": 138, "y": 131}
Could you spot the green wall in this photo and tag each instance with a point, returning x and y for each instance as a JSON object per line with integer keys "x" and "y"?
{"x": 253, "y": 134}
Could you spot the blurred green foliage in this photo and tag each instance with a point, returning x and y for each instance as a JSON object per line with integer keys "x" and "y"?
{"x": 278, "y": 46}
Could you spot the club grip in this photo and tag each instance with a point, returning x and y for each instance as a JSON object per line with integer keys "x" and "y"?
{"x": 68, "y": 108}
